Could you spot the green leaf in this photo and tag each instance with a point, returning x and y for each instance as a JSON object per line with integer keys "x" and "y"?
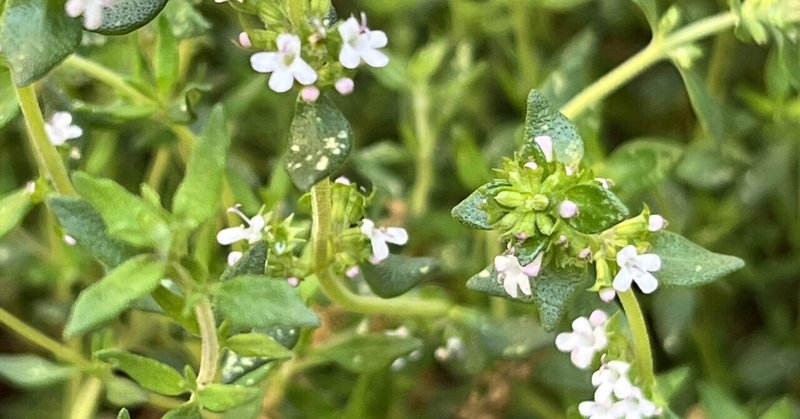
{"x": 185, "y": 411}
{"x": 35, "y": 36}
{"x": 671, "y": 382}
{"x": 650, "y": 10}
{"x": 123, "y": 414}
{"x": 165, "y": 62}
{"x": 366, "y": 403}
{"x": 185, "y": 20}
{"x": 81, "y": 221}
{"x": 8, "y": 99}
{"x": 222, "y": 397}
{"x": 256, "y": 301}
{"x": 368, "y": 353}
{"x": 126, "y": 216}
{"x": 471, "y": 211}
{"x": 174, "y": 306}
{"x": 31, "y": 371}
{"x": 542, "y": 119}
{"x": 149, "y": 373}
{"x": 257, "y": 344}
{"x": 13, "y": 208}
{"x": 571, "y": 71}
{"x": 253, "y": 262}
{"x": 199, "y": 194}
{"x": 708, "y": 111}
{"x": 512, "y": 338}
{"x": 719, "y": 403}
{"x": 598, "y": 208}
{"x": 552, "y": 291}
{"x": 782, "y": 409}
{"x": 107, "y": 298}
{"x": 472, "y": 168}
{"x": 121, "y": 391}
{"x": 128, "y": 15}
{"x": 397, "y": 274}
{"x": 685, "y": 264}
{"x": 641, "y": 164}
{"x": 320, "y": 138}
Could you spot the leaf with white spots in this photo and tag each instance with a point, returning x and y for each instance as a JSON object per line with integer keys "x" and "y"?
{"x": 478, "y": 210}
{"x": 320, "y": 139}
{"x": 126, "y": 16}
{"x": 542, "y": 119}
{"x": 397, "y": 274}
{"x": 685, "y": 264}
{"x": 368, "y": 353}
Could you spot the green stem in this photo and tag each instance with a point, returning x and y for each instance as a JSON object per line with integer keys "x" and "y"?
{"x": 426, "y": 147}
{"x": 158, "y": 168}
{"x": 522, "y": 34}
{"x": 36, "y": 337}
{"x": 641, "y": 339}
{"x": 209, "y": 354}
{"x": 47, "y": 157}
{"x": 86, "y": 402}
{"x": 110, "y": 78}
{"x": 657, "y": 50}
{"x": 336, "y": 291}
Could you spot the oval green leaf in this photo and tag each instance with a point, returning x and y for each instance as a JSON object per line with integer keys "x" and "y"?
{"x": 257, "y": 344}
{"x": 222, "y": 397}
{"x": 542, "y": 119}
{"x": 598, "y": 208}
{"x": 128, "y": 15}
{"x": 397, "y": 274}
{"x": 149, "y": 373}
{"x": 368, "y": 353}
{"x": 13, "y": 208}
{"x": 31, "y": 371}
{"x": 685, "y": 264}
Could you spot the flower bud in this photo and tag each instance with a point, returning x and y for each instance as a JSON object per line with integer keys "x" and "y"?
{"x": 509, "y": 199}
{"x": 531, "y": 165}
{"x": 234, "y": 257}
{"x": 244, "y": 40}
{"x": 656, "y": 222}
{"x": 352, "y": 271}
{"x": 539, "y": 202}
{"x": 293, "y": 281}
{"x": 567, "y": 209}
{"x": 545, "y": 143}
{"x": 607, "y": 294}
{"x": 344, "y": 86}
{"x": 309, "y": 94}
{"x": 585, "y": 253}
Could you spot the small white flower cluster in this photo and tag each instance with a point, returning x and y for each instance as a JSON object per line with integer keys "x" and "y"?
{"x": 92, "y": 11}
{"x": 60, "y": 129}
{"x": 379, "y": 236}
{"x": 359, "y": 44}
{"x": 514, "y": 276}
{"x": 615, "y": 395}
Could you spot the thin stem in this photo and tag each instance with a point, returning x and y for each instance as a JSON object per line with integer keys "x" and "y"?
{"x": 522, "y": 36}
{"x": 86, "y": 402}
{"x": 426, "y": 147}
{"x": 635, "y": 65}
{"x": 158, "y": 168}
{"x": 336, "y": 291}
{"x": 110, "y": 78}
{"x": 641, "y": 339}
{"x": 36, "y": 337}
{"x": 209, "y": 354}
{"x": 47, "y": 157}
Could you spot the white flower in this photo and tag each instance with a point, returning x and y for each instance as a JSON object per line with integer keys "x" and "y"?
{"x": 607, "y": 294}
{"x": 656, "y": 222}
{"x": 252, "y": 233}
{"x": 634, "y": 406}
{"x": 69, "y": 240}
{"x": 545, "y": 143}
{"x": 598, "y": 409}
{"x": 453, "y": 347}
{"x": 92, "y": 11}
{"x": 234, "y": 257}
{"x": 587, "y": 338}
{"x": 60, "y": 129}
{"x": 379, "y": 236}
{"x": 293, "y": 281}
{"x": 567, "y": 209}
{"x": 513, "y": 275}
{"x": 612, "y": 378}
{"x": 286, "y": 64}
{"x": 634, "y": 267}
{"x": 344, "y": 86}
{"x": 361, "y": 43}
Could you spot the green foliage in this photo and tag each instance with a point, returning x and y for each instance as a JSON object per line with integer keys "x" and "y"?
{"x": 257, "y": 344}
{"x": 541, "y": 119}
{"x": 35, "y": 36}
{"x": 368, "y": 353}
{"x": 13, "y": 208}
{"x": 471, "y": 211}
{"x": 128, "y": 15}
{"x": 397, "y": 274}
{"x": 641, "y": 164}
{"x": 185, "y": 411}
{"x": 8, "y": 102}
{"x": 252, "y": 262}
{"x": 149, "y": 373}
{"x": 599, "y": 208}
{"x": 257, "y": 301}
{"x": 222, "y": 397}
{"x": 31, "y": 371}
{"x": 684, "y": 263}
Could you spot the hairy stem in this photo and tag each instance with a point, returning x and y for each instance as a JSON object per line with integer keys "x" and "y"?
{"x": 641, "y": 339}
{"x": 336, "y": 291}
{"x": 36, "y": 337}
{"x": 46, "y": 155}
{"x": 657, "y": 50}
{"x": 210, "y": 344}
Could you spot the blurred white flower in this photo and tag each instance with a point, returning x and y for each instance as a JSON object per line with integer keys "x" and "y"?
{"x": 514, "y": 276}
{"x": 286, "y": 64}
{"x": 612, "y": 378}
{"x": 656, "y": 222}
{"x": 60, "y": 129}
{"x": 597, "y": 409}
{"x": 92, "y": 11}
{"x": 379, "y": 236}
{"x": 361, "y": 43}
{"x": 588, "y": 336}
{"x": 453, "y": 347}
{"x": 344, "y": 86}
{"x": 634, "y": 406}
{"x": 634, "y": 267}
{"x": 234, "y": 257}
{"x": 253, "y": 232}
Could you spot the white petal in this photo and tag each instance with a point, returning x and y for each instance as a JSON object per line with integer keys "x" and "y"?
{"x": 375, "y": 58}
{"x": 395, "y": 235}
{"x": 264, "y": 62}
{"x": 566, "y": 342}
{"x": 524, "y": 284}
{"x": 649, "y": 262}
{"x": 71, "y": 132}
{"x": 231, "y": 235}
{"x": 368, "y": 227}
{"x": 281, "y": 81}
{"x": 377, "y": 39}
{"x": 379, "y": 248}
{"x": 598, "y": 318}
{"x": 622, "y": 282}
{"x": 627, "y": 253}
{"x": 504, "y": 263}
{"x": 582, "y": 357}
{"x": 349, "y": 29}
{"x": 61, "y": 119}
{"x": 622, "y": 388}
{"x": 546, "y": 145}
{"x": 234, "y": 257}
{"x": 349, "y": 57}
{"x": 582, "y": 325}
{"x": 74, "y": 8}
{"x": 257, "y": 223}
{"x": 604, "y": 390}
{"x": 533, "y": 268}
{"x": 303, "y": 72}
{"x": 93, "y": 16}
{"x": 510, "y": 287}
{"x": 646, "y": 282}
{"x": 288, "y": 43}
{"x": 586, "y": 409}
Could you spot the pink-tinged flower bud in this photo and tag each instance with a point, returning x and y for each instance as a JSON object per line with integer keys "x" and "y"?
{"x": 531, "y": 165}
{"x": 567, "y": 209}
{"x": 293, "y": 281}
{"x": 234, "y": 257}
{"x": 309, "y": 94}
{"x": 570, "y": 170}
{"x": 586, "y": 253}
{"x": 521, "y": 236}
{"x": 30, "y": 187}
{"x": 607, "y": 294}
{"x": 562, "y": 240}
{"x": 69, "y": 240}
{"x": 352, "y": 272}
{"x": 545, "y": 143}
{"x": 342, "y": 180}
{"x": 244, "y": 40}
{"x": 344, "y": 86}
{"x": 656, "y": 223}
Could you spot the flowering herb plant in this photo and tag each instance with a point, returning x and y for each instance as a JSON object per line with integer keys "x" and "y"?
{"x": 210, "y": 226}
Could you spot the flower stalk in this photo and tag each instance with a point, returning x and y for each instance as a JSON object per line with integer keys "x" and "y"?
{"x": 210, "y": 343}
{"x": 641, "y": 339}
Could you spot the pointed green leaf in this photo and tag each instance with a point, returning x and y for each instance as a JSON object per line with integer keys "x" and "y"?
{"x": 320, "y": 138}
{"x": 149, "y": 373}
{"x": 503, "y": 338}
{"x": 641, "y": 164}
{"x": 31, "y": 371}
{"x": 128, "y": 15}
{"x": 121, "y": 391}
{"x": 107, "y": 298}
{"x": 708, "y": 111}
{"x": 83, "y": 223}
{"x": 650, "y": 10}
{"x": 542, "y": 119}
{"x": 256, "y": 301}
{"x": 165, "y": 61}
{"x": 368, "y": 353}
{"x": 397, "y": 274}
{"x": 671, "y": 382}
{"x": 173, "y": 304}
{"x": 126, "y": 216}
{"x": 598, "y": 208}
{"x": 8, "y": 99}
{"x": 199, "y": 194}
{"x": 472, "y": 210}
{"x": 222, "y": 397}
{"x": 13, "y": 208}
{"x": 123, "y": 414}
{"x": 253, "y": 262}
{"x": 186, "y": 411}
{"x": 720, "y": 403}
{"x": 257, "y": 344}
{"x": 35, "y": 36}
{"x": 685, "y": 264}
